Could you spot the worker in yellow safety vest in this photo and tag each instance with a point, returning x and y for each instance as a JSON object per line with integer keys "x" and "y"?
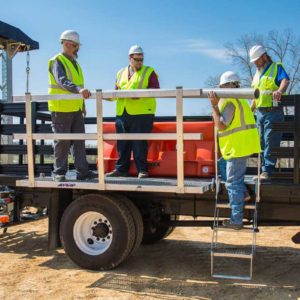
{"x": 134, "y": 115}
{"x": 272, "y": 81}
{"x": 65, "y": 77}
{"x": 238, "y": 139}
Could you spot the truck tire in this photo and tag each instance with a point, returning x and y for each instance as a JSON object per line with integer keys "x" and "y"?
{"x": 137, "y": 220}
{"x": 154, "y": 232}
{"x": 97, "y": 232}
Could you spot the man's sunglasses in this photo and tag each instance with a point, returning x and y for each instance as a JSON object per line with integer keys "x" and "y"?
{"x": 74, "y": 45}
{"x": 138, "y": 59}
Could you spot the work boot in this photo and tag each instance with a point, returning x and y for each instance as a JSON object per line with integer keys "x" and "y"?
{"x": 89, "y": 176}
{"x": 227, "y": 223}
{"x": 247, "y": 196}
{"x": 143, "y": 174}
{"x": 116, "y": 173}
{"x": 264, "y": 176}
{"x": 59, "y": 178}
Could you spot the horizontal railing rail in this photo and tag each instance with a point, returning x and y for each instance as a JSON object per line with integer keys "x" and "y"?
{"x": 156, "y": 93}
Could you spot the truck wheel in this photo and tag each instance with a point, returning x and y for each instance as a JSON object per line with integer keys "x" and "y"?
{"x": 156, "y": 231}
{"x": 137, "y": 220}
{"x": 97, "y": 232}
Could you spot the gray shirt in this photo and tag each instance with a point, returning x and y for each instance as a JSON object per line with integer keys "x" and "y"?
{"x": 228, "y": 114}
{"x": 59, "y": 73}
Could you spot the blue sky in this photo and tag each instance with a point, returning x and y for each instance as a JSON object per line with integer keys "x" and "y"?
{"x": 183, "y": 40}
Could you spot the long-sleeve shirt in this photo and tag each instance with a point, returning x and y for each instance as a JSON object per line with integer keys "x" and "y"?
{"x": 153, "y": 82}
{"x": 59, "y": 73}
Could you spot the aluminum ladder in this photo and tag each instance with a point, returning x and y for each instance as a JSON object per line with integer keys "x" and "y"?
{"x": 234, "y": 253}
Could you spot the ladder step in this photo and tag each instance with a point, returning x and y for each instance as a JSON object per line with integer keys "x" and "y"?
{"x": 231, "y": 277}
{"x": 243, "y": 230}
{"x": 226, "y": 205}
{"x": 236, "y": 253}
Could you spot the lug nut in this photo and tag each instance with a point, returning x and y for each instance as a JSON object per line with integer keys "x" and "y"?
{"x": 90, "y": 241}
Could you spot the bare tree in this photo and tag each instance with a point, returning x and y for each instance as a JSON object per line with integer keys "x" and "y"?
{"x": 212, "y": 81}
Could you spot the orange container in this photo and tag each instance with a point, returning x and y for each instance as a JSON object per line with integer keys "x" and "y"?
{"x": 4, "y": 219}
{"x": 198, "y": 154}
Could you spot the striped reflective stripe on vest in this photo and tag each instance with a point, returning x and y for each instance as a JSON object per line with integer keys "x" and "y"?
{"x": 270, "y": 76}
{"x": 143, "y": 78}
{"x": 243, "y": 123}
{"x": 69, "y": 73}
{"x": 119, "y": 79}
{"x": 266, "y": 92}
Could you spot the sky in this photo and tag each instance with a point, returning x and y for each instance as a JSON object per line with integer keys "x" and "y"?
{"x": 182, "y": 40}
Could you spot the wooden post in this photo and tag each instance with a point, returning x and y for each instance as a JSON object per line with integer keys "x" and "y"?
{"x": 30, "y": 154}
{"x": 179, "y": 140}
{"x": 100, "y": 147}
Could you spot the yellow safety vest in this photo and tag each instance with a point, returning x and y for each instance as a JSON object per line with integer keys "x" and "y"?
{"x": 241, "y": 137}
{"x": 266, "y": 85}
{"x": 54, "y": 89}
{"x": 139, "y": 80}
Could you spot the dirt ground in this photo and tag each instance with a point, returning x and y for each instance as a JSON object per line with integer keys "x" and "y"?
{"x": 175, "y": 268}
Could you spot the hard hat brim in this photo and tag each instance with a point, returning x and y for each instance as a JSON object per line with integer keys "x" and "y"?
{"x": 70, "y": 41}
{"x": 255, "y": 59}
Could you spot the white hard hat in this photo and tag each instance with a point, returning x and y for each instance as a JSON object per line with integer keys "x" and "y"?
{"x": 135, "y": 49}
{"x": 256, "y": 52}
{"x": 70, "y": 35}
{"x": 229, "y": 76}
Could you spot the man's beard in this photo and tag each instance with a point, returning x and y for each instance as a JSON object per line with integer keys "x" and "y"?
{"x": 75, "y": 53}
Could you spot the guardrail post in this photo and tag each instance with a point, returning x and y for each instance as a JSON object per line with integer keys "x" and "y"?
{"x": 179, "y": 140}
{"x": 29, "y": 141}
{"x": 99, "y": 109}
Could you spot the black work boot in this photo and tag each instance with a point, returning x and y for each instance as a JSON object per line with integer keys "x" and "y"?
{"x": 88, "y": 176}
{"x": 116, "y": 173}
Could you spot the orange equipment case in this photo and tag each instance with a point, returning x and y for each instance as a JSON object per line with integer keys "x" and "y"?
{"x": 198, "y": 155}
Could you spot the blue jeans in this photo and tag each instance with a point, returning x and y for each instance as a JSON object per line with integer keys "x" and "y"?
{"x": 222, "y": 165}
{"x": 235, "y": 185}
{"x": 268, "y": 137}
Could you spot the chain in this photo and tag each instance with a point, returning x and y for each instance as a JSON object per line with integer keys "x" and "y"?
{"x": 27, "y": 70}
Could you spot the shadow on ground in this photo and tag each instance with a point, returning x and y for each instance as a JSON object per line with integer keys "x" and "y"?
{"x": 176, "y": 268}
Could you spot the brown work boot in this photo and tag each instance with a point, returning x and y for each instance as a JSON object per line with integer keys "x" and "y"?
{"x": 247, "y": 196}
{"x": 227, "y": 223}
{"x": 264, "y": 176}
{"x": 116, "y": 173}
